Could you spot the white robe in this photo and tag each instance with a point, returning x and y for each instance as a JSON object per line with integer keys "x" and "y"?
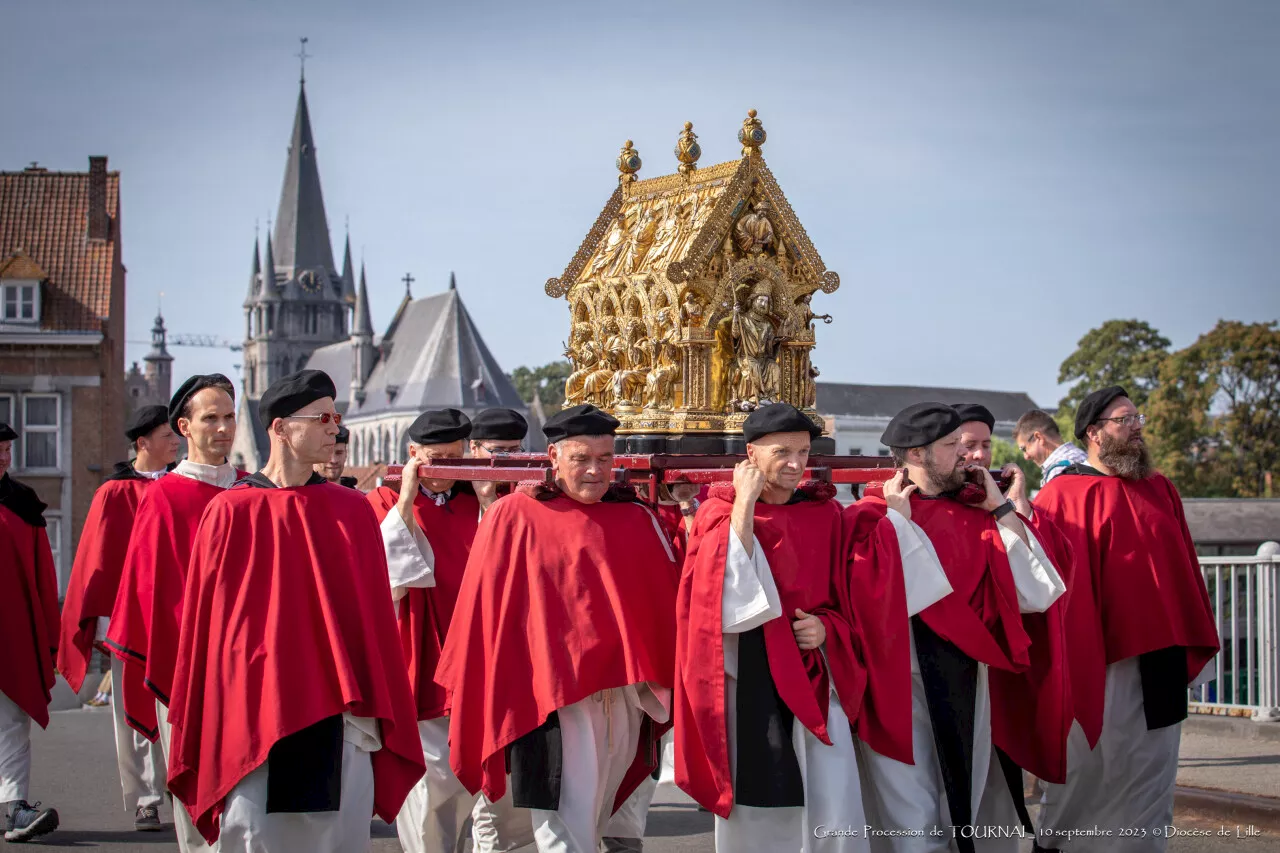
{"x": 500, "y": 827}
{"x": 832, "y": 817}
{"x": 189, "y": 838}
{"x": 1126, "y": 781}
{"x": 15, "y": 751}
{"x": 140, "y": 762}
{"x": 903, "y": 797}
{"x": 248, "y": 828}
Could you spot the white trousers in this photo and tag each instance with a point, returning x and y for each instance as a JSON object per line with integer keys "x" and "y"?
{"x": 500, "y": 827}
{"x": 599, "y": 736}
{"x": 630, "y": 818}
{"x": 141, "y": 762}
{"x": 1126, "y": 781}
{"x": 189, "y": 839}
{"x": 910, "y": 800}
{"x": 247, "y": 828}
{"x": 831, "y": 820}
{"x": 15, "y": 751}
{"x": 433, "y": 814}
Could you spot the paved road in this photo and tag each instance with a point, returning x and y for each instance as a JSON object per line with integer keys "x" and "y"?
{"x": 74, "y": 770}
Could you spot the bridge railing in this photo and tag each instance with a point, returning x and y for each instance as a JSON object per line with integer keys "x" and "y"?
{"x": 1244, "y": 593}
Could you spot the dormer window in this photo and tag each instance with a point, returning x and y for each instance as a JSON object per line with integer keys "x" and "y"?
{"x": 20, "y": 302}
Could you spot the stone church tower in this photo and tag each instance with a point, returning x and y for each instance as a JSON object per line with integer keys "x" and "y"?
{"x": 298, "y": 301}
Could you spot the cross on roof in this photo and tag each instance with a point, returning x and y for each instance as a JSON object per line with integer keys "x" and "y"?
{"x": 408, "y": 280}
{"x": 303, "y": 56}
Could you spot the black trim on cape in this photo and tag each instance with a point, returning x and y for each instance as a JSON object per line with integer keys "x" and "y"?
{"x": 260, "y": 480}
{"x": 21, "y": 500}
{"x": 304, "y": 769}
{"x": 768, "y": 770}
{"x": 536, "y": 763}
{"x": 349, "y": 482}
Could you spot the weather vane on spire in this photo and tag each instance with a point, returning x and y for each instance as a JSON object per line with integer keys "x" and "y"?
{"x": 303, "y": 56}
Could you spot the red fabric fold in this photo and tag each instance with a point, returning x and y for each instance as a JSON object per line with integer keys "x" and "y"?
{"x": 1130, "y": 543}
{"x": 803, "y": 545}
{"x": 96, "y": 572}
{"x": 423, "y": 615}
{"x": 148, "y": 610}
{"x": 287, "y": 620}
{"x": 560, "y": 600}
{"x": 28, "y": 616}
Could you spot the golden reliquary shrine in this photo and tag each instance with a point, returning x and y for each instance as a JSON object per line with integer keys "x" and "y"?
{"x": 690, "y": 302}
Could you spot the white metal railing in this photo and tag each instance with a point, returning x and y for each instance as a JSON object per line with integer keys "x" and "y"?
{"x": 1243, "y": 593}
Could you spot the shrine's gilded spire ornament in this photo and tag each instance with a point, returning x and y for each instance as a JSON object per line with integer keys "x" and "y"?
{"x": 690, "y": 302}
{"x": 687, "y": 149}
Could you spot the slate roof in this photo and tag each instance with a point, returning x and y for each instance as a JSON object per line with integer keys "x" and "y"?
{"x": 1233, "y": 520}
{"x": 45, "y": 215}
{"x": 335, "y": 360}
{"x": 885, "y": 401}
{"x": 433, "y": 357}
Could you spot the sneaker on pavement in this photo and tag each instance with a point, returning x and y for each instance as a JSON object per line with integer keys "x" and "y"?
{"x": 27, "y": 821}
{"x": 147, "y": 819}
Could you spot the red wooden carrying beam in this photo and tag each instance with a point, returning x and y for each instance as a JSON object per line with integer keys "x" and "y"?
{"x": 658, "y": 468}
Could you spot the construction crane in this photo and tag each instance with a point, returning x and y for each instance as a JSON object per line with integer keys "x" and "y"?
{"x": 186, "y": 340}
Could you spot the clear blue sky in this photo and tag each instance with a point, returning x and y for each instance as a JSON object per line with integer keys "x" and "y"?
{"x": 990, "y": 179}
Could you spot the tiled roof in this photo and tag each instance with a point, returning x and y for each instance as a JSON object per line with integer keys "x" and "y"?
{"x": 885, "y": 401}
{"x": 19, "y": 265}
{"x": 45, "y": 214}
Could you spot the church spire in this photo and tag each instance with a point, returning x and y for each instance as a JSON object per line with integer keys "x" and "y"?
{"x": 364, "y": 323}
{"x": 348, "y": 278}
{"x": 254, "y": 274}
{"x": 269, "y": 291}
{"x": 302, "y": 230}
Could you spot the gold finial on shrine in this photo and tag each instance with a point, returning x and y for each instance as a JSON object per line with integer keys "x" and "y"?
{"x": 751, "y": 134}
{"x": 628, "y": 163}
{"x": 687, "y": 149}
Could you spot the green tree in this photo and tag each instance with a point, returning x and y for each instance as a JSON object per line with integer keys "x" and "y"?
{"x": 1119, "y": 352}
{"x": 1215, "y": 414}
{"x": 1004, "y": 451}
{"x": 546, "y": 381}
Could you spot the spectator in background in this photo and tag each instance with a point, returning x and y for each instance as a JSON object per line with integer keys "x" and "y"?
{"x": 1037, "y": 436}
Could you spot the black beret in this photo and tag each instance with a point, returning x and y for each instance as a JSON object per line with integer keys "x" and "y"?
{"x": 499, "y": 425}
{"x": 585, "y": 419}
{"x": 344, "y": 435}
{"x": 920, "y": 424}
{"x": 440, "y": 426}
{"x": 975, "y": 412}
{"x": 293, "y": 392}
{"x": 7, "y": 432}
{"x": 1092, "y": 407}
{"x": 777, "y": 417}
{"x": 194, "y": 385}
{"x": 145, "y": 420}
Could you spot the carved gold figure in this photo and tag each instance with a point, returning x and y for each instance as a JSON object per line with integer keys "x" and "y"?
{"x": 691, "y": 295}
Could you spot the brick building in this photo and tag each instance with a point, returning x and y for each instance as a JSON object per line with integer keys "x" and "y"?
{"x": 62, "y": 292}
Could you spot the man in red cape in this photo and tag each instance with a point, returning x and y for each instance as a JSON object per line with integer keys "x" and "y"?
{"x": 293, "y": 721}
{"x": 143, "y": 634}
{"x": 29, "y": 633}
{"x": 971, "y": 568}
{"x": 1140, "y": 627}
{"x": 768, "y": 673}
{"x": 91, "y": 594}
{"x": 558, "y": 662}
{"x": 427, "y": 529}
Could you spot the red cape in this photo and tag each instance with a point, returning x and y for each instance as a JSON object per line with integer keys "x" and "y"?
{"x": 423, "y": 615}
{"x": 144, "y": 623}
{"x": 287, "y": 621}
{"x": 1131, "y": 544}
{"x": 95, "y": 575}
{"x": 28, "y": 615}
{"x": 875, "y": 590}
{"x": 982, "y": 618}
{"x": 802, "y": 542}
{"x": 560, "y": 600}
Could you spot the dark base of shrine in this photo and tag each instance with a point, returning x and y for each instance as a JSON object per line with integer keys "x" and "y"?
{"x": 700, "y": 444}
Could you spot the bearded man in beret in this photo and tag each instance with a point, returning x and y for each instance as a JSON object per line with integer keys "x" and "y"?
{"x": 91, "y": 596}
{"x": 558, "y": 662}
{"x": 768, "y": 670}
{"x": 1139, "y": 625}
{"x": 143, "y": 632}
{"x": 937, "y": 727}
{"x": 293, "y": 722}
